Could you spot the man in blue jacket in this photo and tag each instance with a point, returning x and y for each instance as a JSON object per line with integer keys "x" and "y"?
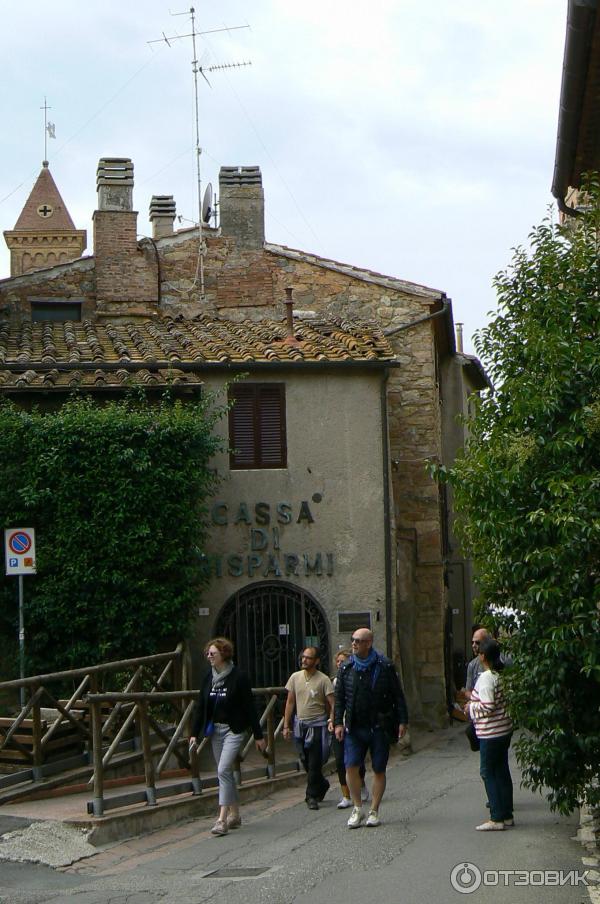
{"x": 369, "y": 714}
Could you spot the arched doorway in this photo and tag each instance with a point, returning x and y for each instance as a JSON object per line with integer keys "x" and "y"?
{"x": 270, "y": 623}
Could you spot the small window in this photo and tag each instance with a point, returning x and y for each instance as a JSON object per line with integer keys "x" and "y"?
{"x": 55, "y": 310}
{"x": 257, "y": 436}
{"x": 351, "y": 621}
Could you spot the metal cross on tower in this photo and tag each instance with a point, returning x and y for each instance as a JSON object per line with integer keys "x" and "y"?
{"x": 49, "y": 130}
{"x": 197, "y": 69}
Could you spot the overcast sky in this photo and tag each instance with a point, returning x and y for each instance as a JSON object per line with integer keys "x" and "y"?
{"x": 416, "y": 139}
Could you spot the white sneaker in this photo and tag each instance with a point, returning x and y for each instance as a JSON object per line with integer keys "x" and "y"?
{"x": 490, "y": 826}
{"x": 364, "y": 793}
{"x": 344, "y": 803}
{"x": 356, "y": 818}
{"x": 373, "y": 818}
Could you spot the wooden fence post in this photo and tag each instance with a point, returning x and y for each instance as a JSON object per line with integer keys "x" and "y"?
{"x": 38, "y": 755}
{"x": 147, "y": 750}
{"x": 271, "y": 765}
{"x": 93, "y": 689}
{"x": 195, "y": 771}
{"x": 98, "y": 802}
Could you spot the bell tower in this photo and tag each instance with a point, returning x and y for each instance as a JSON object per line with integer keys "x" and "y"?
{"x": 44, "y": 235}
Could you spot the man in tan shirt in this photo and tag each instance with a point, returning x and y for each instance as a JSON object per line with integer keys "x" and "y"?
{"x": 310, "y": 697}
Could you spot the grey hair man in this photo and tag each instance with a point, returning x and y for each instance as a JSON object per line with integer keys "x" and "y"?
{"x": 474, "y": 668}
{"x": 370, "y": 714}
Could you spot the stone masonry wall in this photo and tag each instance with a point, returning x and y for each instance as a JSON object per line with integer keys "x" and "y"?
{"x": 68, "y": 282}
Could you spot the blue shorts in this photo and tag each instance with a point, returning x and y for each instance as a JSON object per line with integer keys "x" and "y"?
{"x": 362, "y": 740}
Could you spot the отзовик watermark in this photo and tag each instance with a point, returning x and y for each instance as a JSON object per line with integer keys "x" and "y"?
{"x": 466, "y": 878}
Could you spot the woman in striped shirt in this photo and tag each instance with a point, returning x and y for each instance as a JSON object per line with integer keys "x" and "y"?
{"x": 494, "y": 730}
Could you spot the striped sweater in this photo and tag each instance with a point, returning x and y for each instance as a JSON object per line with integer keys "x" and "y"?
{"x": 487, "y": 708}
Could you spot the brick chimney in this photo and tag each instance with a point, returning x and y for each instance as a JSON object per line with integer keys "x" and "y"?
{"x": 162, "y": 215}
{"x": 126, "y": 278}
{"x": 242, "y": 205}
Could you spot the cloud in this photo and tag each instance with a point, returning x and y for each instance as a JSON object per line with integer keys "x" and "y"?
{"x": 413, "y": 138}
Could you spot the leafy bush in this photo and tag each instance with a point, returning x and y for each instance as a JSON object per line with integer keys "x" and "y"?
{"x": 528, "y": 494}
{"x": 117, "y": 494}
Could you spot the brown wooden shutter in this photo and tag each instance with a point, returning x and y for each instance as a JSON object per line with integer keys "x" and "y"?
{"x": 257, "y": 426}
{"x": 271, "y": 423}
{"x": 242, "y": 438}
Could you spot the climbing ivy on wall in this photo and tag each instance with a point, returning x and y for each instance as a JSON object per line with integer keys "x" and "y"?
{"x": 117, "y": 493}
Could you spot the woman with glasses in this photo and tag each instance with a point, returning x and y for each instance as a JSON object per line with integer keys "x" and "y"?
{"x": 224, "y": 711}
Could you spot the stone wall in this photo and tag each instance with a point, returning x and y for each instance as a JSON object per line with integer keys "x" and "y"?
{"x": 68, "y": 282}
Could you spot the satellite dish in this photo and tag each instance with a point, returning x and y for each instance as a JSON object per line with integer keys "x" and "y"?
{"x": 207, "y": 204}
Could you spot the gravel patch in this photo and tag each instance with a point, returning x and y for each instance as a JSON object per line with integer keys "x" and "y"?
{"x": 48, "y": 842}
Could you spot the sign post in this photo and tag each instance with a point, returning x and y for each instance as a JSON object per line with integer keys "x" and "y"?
{"x": 19, "y": 548}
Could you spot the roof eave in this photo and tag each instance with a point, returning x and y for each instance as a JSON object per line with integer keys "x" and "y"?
{"x": 581, "y": 20}
{"x": 199, "y": 366}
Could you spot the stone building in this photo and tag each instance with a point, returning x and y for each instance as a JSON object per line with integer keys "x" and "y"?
{"x": 349, "y": 383}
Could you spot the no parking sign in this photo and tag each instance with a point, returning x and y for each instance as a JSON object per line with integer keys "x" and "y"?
{"x": 19, "y": 548}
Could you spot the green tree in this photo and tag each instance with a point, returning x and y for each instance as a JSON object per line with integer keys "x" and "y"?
{"x": 117, "y": 493}
{"x": 527, "y": 491}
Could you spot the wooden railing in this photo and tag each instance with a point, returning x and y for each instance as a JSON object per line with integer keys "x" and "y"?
{"x": 109, "y": 729}
{"x": 168, "y": 743}
{"x": 29, "y": 740}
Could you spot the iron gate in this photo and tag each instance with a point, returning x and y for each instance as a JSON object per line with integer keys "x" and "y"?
{"x": 270, "y": 623}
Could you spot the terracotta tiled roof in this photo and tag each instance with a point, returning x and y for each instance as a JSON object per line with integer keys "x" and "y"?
{"x": 45, "y": 195}
{"x": 100, "y": 379}
{"x": 56, "y": 355}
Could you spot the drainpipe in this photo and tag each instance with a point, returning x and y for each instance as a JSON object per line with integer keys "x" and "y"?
{"x": 459, "y": 338}
{"x": 386, "y": 516}
{"x": 405, "y": 326}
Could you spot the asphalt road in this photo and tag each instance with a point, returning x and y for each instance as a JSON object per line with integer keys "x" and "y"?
{"x": 433, "y": 802}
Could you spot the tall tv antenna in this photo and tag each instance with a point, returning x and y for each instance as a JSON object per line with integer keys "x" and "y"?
{"x": 197, "y": 69}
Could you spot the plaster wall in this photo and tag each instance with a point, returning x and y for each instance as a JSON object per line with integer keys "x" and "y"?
{"x": 335, "y": 467}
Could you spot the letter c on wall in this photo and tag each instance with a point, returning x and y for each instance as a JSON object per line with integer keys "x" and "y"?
{"x": 219, "y": 513}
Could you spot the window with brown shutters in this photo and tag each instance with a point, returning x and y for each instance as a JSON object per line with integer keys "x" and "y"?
{"x": 257, "y": 436}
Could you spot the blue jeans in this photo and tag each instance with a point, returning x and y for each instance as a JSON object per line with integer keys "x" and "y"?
{"x": 494, "y": 770}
